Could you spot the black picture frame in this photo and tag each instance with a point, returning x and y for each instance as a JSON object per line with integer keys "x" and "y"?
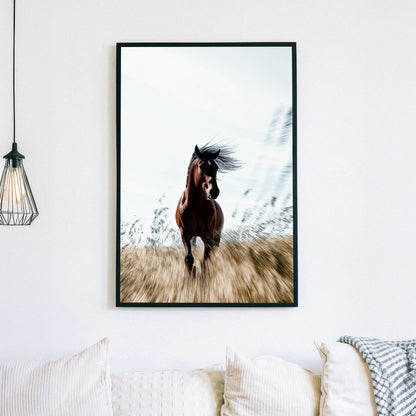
{"x": 119, "y": 110}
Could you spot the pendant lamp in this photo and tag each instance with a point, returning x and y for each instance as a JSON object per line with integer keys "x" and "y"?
{"x": 17, "y": 205}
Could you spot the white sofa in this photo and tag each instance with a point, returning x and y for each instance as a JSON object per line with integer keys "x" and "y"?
{"x": 82, "y": 385}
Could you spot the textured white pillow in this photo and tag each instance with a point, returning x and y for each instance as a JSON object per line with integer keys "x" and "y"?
{"x": 76, "y": 386}
{"x": 346, "y": 383}
{"x": 269, "y": 386}
{"x": 173, "y": 393}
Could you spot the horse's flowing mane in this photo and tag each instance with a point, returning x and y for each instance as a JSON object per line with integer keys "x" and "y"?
{"x": 225, "y": 161}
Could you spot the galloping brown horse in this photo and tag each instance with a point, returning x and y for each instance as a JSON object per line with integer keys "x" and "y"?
{"x": 198, "y": 214}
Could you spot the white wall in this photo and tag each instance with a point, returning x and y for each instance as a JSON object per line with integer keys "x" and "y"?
{"x": 357, "y": 203}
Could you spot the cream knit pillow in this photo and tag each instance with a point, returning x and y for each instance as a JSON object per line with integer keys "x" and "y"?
{"x": 269, "y": 386}
{"x": 76, "y": 386}
{"x": 347, "y": 387}
{"x": 171, "y": 392}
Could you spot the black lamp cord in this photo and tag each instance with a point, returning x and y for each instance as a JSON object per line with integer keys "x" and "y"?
{"x": 14, "y": 71}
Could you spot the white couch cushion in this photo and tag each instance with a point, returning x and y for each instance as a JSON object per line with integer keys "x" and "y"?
{"x": 269, "y": 386}
{"x": 347, "y": 387}
{"x": 80, "y": 385}
{"x": 173, "y": 393}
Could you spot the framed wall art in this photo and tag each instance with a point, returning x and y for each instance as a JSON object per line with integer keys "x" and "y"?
{"x": 206, "y": 174}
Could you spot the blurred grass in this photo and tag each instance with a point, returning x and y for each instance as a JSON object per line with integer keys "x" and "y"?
{"x": 256, "y": 271}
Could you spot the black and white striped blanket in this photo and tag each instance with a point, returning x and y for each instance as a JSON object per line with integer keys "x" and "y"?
{"x": 393, "y": 370}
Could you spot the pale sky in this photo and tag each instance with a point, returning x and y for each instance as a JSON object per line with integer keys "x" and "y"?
{"x": 175, "y": 97}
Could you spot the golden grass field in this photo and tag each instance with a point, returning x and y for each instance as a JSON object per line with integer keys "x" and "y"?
{"x": 256, "y": 271}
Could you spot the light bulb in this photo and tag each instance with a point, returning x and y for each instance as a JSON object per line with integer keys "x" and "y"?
{"x": 14, "y": 188}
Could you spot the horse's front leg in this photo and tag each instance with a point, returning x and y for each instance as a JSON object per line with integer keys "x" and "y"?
{"x": 210, "y": 243}
{"x": 189, "y": 258}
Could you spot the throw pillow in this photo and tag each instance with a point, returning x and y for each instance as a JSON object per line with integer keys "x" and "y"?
{"x": 269, "y": 386}
{"x": 80, "y": 385}
{"x": 170, "y": 392}
{"x": 346, "y": 383}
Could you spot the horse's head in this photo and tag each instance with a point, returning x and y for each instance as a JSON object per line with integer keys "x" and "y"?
{"x": 207, "y": 172}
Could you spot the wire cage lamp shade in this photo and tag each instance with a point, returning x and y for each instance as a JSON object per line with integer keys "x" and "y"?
{"x": 17, "y": 205}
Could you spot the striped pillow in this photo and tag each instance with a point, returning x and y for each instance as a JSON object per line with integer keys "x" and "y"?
{"x": 269, "y": 386}
{"x": 79, "y": 385}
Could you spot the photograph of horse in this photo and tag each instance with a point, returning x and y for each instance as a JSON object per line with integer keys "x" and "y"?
{"x": 226, "y": 233}
{"x": 197, "y": 213}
